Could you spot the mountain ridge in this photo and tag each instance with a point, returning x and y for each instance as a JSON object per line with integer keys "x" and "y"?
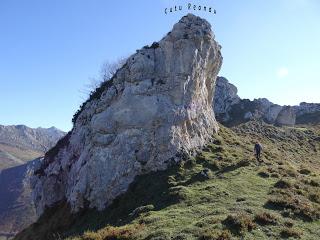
{"x": 231, "y": 110}
{"x": 19, "y": 143}
{"x": 19, "y": 147}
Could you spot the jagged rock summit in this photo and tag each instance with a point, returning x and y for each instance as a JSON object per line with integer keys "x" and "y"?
{"x": 156, "y": 107}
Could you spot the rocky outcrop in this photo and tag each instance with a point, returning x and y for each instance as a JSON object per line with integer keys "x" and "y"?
{"x": 225, "y": 97}
{"x": 231, "y": 110}
{"x": 157, "y": 107}
{"x": 286, "y": 117}
{"x": 307, "y": 113}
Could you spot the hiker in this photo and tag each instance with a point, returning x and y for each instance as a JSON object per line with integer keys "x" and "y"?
{"x": 257, "y": 151}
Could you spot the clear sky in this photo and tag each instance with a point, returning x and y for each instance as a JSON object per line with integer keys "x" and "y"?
{"x": 49, "y": 49}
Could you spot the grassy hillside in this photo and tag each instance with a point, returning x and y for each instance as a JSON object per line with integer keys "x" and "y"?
{"x": 222, "y": 193}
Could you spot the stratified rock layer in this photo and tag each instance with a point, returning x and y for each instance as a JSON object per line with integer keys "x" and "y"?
{"x": 156, "y": 107}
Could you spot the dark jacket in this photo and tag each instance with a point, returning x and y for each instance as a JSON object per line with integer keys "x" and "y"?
{"x": 257, "y": 148}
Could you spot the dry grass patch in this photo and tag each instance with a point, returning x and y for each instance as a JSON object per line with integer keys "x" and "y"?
{"x": 291, "y": 232}
{"x": 113, "y": 233}
{"x": 265, "y": 218}
{"x": 216, "y": 235}
{"x": 293, "y": 205}
{"x": 239, "y": 223}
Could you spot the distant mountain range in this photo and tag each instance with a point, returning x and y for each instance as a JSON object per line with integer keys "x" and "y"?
{"x": 20, "y": 144}
{"x": 20, "y": 149}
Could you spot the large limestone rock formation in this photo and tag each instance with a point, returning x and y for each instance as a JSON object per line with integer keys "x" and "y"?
{"x": 155, "y": 108}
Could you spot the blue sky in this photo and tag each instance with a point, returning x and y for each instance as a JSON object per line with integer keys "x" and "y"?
{"x": 49, "y": 50}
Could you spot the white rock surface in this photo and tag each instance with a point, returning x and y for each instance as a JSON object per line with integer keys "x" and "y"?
{"x": 286, "y": 117}
{"x": 155, "y": 107}
{"x": 306, "y": 108}
{"x": 225, "y": 97}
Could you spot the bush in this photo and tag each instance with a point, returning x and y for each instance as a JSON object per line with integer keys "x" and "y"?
{"x": 265, "y": 219}
{"x": 215, "y": 235}
{"x": 289, "y": 224}
{"x": 304, "y": 171}
{"x": 283, "y": 184}
{"x": 263, "y": 174}
{"x": 290, "y": 232}
{"x": 95, "y": 94}
{"x": 299, "y": 207}
{"x": 275, "y": 175}
{"x": 140, "y": 210}
{"x": 239, "y": 223}
{"x": 315, "y": 197}
{"x": 314, "y": 183}
{"x": 113, "y": 233}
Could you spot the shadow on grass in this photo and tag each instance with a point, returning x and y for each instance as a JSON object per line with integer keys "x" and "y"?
{"x": 151, "y": 190}
{"x": 242, "y": 163}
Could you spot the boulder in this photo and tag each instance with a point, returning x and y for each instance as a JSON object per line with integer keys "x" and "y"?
{"x": 286, "y": 117}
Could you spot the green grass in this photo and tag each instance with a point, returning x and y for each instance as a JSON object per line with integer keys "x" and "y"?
{"x": 230, "y": 201}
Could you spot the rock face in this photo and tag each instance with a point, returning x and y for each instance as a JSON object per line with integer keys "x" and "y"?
{"x": 232, "y": 110}
{"x": 307, "y": 113}
{"x": 225, "y": 96}
{"x": 286, "y": 117}
{"x": 156, "y": 107}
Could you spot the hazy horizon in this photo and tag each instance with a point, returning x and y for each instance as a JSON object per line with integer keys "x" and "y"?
{"x": 51, "y": 50}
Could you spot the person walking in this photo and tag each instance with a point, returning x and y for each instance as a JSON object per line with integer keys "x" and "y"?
{"x": 257, "y": 151}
